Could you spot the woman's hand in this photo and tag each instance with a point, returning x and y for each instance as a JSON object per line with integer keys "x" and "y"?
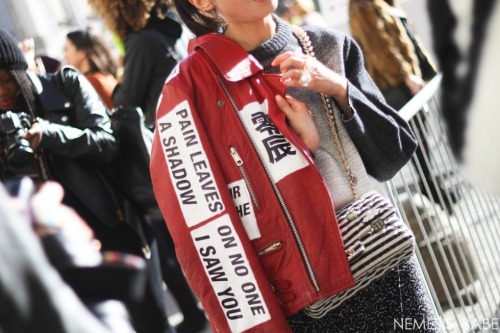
{"x": 300, "y": 120}
{"x": 296, "y": 65}
{"x": 34, "y": 63}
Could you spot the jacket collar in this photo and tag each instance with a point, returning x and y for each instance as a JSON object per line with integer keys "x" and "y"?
{"x": 231, "y": 59}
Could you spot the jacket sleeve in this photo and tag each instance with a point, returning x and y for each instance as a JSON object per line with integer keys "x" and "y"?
{"x": 376, "y": 36}
{"x": 384, "y": 140}
{"x": 89, "y": 134}
{"x": 211, "y": 244}
{"x": 138, "y": 66}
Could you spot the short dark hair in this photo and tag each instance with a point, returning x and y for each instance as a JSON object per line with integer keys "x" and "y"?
{"x": 199, "y": 22}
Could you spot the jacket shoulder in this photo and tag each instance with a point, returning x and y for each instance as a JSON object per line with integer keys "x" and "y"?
{"x": 49, "y": 83}
{"x": 59, "y": 88}
{"x": 66, "y": 77}
{"x": 68, "y": 72}
{"x": 190, "y": 67}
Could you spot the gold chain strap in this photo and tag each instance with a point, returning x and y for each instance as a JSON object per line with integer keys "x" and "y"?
{"x": 327, "y": 104}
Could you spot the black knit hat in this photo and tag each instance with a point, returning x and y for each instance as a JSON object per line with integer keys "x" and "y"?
{"x": 11, "y": 56}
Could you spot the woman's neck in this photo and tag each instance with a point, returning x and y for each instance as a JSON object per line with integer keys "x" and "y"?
{"x": 250, "y": 36}
{"x": 85, "y": 67}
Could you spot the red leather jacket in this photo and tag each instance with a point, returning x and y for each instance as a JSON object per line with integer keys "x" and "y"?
{"x": 252, "y": 220}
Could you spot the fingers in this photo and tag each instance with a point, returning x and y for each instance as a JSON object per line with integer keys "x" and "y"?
{"x": 297, "y": 69}
{"x": 27, "y": 45}
{"x": 290, "y": 105}
{"x": 300, "y": 120}
{"x": 30, "y": 136}
{"x": 283, "y": 57}
{"x": 290, "y": 60}
{"x": 301, "y": 70}
{"x": 296, "y": 105}
{"x": 33, "y": 135}
{"x": 283, "y": 104}
{"x": 291, "y": 77}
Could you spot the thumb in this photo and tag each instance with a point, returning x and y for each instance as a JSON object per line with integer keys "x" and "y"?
{"x": 31, "y": 132}
{"x": 293, "y": 103}
{"x": 26, "y": 135}
{"x": 283, "y": 104}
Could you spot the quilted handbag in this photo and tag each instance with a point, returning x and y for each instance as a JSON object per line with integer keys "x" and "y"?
{"x": 375, "y": 239}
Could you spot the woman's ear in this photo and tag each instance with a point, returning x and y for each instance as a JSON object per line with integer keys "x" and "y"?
{"x": 205, "y": 5}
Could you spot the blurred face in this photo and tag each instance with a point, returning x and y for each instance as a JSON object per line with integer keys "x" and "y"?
{"x": 73, "y": 56}
{"x": 10, "y": 93}
{"x": 244, "y": 12}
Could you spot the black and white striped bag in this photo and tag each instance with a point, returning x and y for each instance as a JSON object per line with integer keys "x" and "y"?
{"x": 375, "y": 239}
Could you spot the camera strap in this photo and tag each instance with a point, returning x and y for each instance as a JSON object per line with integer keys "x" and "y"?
{"x": 42, "y": 166}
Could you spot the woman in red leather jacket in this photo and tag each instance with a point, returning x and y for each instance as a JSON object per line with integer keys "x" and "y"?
{"x": 249, "y": 179}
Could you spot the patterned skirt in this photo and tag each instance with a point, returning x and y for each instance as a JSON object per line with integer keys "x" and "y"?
{"x": 397, "y": 302}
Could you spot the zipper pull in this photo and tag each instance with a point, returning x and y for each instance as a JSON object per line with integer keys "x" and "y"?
{"x": 236, "y": 156}
{"x": 272, "y": 247}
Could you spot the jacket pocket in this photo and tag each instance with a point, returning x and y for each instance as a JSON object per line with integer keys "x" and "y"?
{"x": 271, "y": 248}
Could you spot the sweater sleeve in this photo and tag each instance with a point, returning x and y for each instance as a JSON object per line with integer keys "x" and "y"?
{"x": 384, "y": 140}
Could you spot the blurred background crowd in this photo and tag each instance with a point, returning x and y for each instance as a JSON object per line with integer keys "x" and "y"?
{"x": 106, "y": 42}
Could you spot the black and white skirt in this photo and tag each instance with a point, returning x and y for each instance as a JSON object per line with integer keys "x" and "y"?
{"x": 398, "y": 302}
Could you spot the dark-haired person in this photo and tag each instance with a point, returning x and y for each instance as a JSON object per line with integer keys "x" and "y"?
{"x": 87, "y": 51}
{"x": 248, "y": 173}
{"x": 69, "y": 139}
{"x": 149, "y": 34}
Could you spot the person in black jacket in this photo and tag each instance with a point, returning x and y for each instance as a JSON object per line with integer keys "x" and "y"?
{"x": 150, "y": 35}
{"x": 56, "y": 127}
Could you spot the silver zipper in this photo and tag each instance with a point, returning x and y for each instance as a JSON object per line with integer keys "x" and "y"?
{"x": 272, "y": 247}
{"x": 239, "y": 163}
{"x": 290, "y": 221}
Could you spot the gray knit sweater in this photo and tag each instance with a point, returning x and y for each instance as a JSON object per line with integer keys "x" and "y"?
{"x": 376, "y": 141}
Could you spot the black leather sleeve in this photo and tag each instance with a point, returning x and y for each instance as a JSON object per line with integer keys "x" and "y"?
{"x": 74, "y": 119}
